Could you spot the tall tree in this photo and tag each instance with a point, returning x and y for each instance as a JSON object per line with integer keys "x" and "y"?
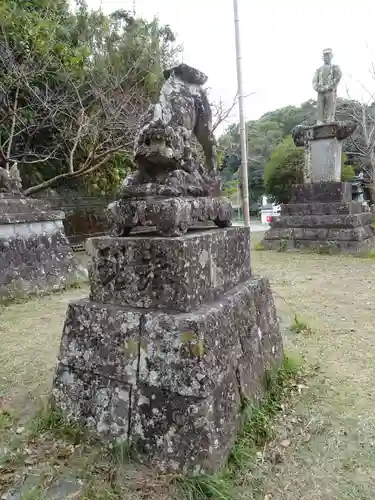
{"x": 73, "y": 88}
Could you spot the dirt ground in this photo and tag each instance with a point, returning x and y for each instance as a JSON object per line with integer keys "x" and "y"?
{"x": 328, "y": 434}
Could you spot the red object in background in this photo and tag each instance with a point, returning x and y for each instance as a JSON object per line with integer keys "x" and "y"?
{"x": 268, "y": 219}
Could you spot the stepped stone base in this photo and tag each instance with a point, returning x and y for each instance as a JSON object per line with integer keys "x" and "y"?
{"x": 169, "y": 377}
{"x": 322, "y": 217}
{"x": 35, "y": 255}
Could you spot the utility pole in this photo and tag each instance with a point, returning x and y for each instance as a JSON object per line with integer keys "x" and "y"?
{"x": 241, "y": 109}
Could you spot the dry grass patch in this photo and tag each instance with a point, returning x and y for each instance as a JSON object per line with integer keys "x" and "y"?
{"x": 331, "y": 425}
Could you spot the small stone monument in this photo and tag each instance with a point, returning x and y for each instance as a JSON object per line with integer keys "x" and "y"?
{"x": 176, "y": 333}
{"x": 322, "y": 215}
{"x": 35, "y": 255}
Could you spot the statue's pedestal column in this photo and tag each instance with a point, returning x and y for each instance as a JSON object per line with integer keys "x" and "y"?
{"x": 322, "y": 216}
{"x": 175, "y": 336}
{"x": 325, "y": 154}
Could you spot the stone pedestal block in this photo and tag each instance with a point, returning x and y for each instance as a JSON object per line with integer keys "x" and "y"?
{"x": 325, "y": 160}
{"x": 323, "y": 149}
{"x": 35, "y": 255}
{"x": 168, "y": 273}
{"x": 169, "y": 373}
{"x": 323, "y": 218}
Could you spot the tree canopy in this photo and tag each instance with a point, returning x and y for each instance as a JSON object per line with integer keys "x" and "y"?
{"x": 72, "y": 89}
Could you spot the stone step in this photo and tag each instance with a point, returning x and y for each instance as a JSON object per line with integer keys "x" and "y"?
{"x": 335, "y": 208}
{"x": 337, "y": 221}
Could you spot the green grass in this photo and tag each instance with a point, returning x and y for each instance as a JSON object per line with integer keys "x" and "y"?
{"x": 300, "y": 326}
{"x": 258, "y": 246}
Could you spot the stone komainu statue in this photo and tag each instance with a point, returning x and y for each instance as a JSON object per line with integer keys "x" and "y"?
{"x": 176, "y": 184}
{"x": 165, "y": 148}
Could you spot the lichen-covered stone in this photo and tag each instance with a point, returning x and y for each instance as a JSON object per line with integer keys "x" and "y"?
{"x": 102, "y": 404}
{"x": 317, "y": 208}
{"x": 322, "y": 192}
{"x": 175, "y": 185}
{"x": 184, "y": 433}
{"x": 168, "y": 273}
{"x": 182, "y": 375}
{"x": 321, "y": 220}
{"x": 35, "y": 255}
{"x": 169, "y": 216}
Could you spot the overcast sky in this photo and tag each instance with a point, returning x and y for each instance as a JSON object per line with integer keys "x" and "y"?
{"x": 281, "y": 44}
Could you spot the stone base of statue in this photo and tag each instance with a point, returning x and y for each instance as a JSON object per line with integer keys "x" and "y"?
{"x": 322, "y": 217}
{"x": 171, "y": 216}
{"x": 323, "y": 146}
{"x": 35, "y": 255}
{"x": 175, "y": 336}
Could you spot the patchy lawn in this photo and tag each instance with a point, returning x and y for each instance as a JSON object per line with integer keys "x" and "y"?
{"x": 325, "y": 437}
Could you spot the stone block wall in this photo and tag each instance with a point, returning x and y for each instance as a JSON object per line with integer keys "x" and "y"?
{"x": 35, "y": 255}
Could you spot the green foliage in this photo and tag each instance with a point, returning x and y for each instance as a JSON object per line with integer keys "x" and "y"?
{"x": 230, "y": 188}
{"x": 258, "y": 247}
{"x": 72, "y": 89}
{"x": 347, "y": 171}
{"x": 51, "y": 420}
{"x": 300, "y": 326}
{"x": 285, "y": 169}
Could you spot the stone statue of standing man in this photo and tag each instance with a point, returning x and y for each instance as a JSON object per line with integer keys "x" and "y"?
{"x": 325, "y": 82}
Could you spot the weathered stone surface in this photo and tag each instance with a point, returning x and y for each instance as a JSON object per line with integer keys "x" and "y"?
{"x": 166, "y": 139}
{"x": 321, "y": 246}
{"x": 102, "y": 404}
{"x": 177, "y": 377}
{"x": 35, "y": 255}
{"x": 324, "y": 192}
{"x": 170, "y": 216}
{"x": 339, "y": 130}
{"x": 174, "y": 186}
{"x": 325, "y": 82}
{"x": 332, "y": 221}
{"x": 321, "y": 233}
{"x": 186, "y": 433}
{"x": 36, "y": 263}
{"x": 176, "y": 334}
{"x": 179, "y": 273}
{"x": 325, "y": 160}
{"x": 10, "y": 180}
{"x": 317, "y": 208}
{"x": 325, "y": 225}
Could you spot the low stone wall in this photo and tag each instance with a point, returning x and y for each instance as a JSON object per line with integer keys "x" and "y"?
{"x": 35, "y": 255}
